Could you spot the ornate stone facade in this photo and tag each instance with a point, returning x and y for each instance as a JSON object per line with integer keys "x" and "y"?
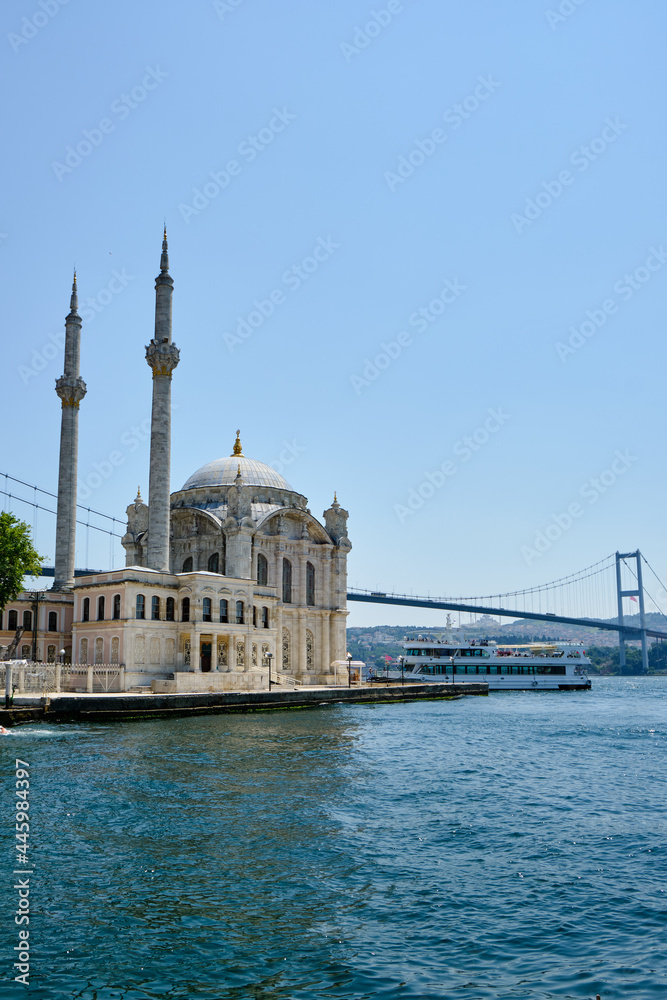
{"x": 228, "y": 572}
{"x": 250, "y": 559}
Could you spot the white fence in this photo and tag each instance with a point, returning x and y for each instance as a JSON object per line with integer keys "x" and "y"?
{"x": 47, "y": 678}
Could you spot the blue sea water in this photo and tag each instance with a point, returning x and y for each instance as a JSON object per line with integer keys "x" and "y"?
{"x": 503, "y": 847}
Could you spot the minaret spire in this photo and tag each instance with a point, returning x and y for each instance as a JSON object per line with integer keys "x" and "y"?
{"x": 162, "y": 356}
{"x": 164, "y": 259}
{"x": 71, "y": 389}
{"x": 74, "y": 298}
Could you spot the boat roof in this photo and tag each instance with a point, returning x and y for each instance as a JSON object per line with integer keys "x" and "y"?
{"x": 444, "y": 641}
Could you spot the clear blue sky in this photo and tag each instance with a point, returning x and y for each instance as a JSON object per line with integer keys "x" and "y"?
{"x": 494, "y": 113}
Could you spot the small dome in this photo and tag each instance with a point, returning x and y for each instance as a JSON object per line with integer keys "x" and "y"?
{"x": 222, "y": 472}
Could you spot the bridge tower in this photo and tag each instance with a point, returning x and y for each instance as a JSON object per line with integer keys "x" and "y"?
{"x": 639, "y": 594}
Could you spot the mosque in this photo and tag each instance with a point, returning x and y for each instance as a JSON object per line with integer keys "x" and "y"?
{"x": 226, "y": 579}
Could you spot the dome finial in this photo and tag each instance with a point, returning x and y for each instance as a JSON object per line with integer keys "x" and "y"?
{"x": 238, "y": 450}
{"x": 138, "y": 496}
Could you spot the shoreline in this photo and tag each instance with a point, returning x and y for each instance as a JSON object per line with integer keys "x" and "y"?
{"x": 67, "y": 708}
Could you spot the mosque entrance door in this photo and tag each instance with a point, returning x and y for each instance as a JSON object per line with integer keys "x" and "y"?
{"x": 205, "y": 657}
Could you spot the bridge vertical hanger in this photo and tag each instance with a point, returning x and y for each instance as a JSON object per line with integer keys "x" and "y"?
{"x": 639, "y": 594}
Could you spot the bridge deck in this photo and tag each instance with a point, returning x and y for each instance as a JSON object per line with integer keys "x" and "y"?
{"x": 477, "y": 609}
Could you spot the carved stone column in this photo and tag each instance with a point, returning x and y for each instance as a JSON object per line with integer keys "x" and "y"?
{"x": 162, "y": 358}
{"x": 71, "y": 389}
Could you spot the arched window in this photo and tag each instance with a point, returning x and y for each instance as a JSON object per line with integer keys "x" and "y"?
{"x": 171, "y": 607}
{"x": 187, "y": 565}
{"x": 85, "y": 614}
{"x": 140, "y": 607}
{"x": 265, "y": 617}
{"x": 310, "y": 584}
{"x": 254, "y": 616}
{"x": 262, "y": 570}
{"x": 214, "y": 563}
{"x": 27, "y": 620}
{"x": 207, "y": 615}
{"x": 12, "y": 621}
{"x": 287, "y": 581}
{"x": 185, "y": 609}
{"x": 53, "y": 621}
{"x": 239, "y": 612}
{"x": 100, "y": 609}
{"x": 155, "y": 608}
{"x": 224, "y": 611}
{"x": 116, "y": 606}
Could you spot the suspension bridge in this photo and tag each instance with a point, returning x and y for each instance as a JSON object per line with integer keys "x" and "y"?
{"x": 607, "y": 588}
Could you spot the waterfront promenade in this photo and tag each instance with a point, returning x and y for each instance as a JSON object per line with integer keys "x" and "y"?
{"x": 83, "y": 707}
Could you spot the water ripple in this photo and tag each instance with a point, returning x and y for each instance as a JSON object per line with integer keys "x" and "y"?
{"x": 500, "y": 848}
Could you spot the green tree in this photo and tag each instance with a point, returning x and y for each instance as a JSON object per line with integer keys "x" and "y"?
{"x": 657, "y": 656}
{"x": 18, "y": 557}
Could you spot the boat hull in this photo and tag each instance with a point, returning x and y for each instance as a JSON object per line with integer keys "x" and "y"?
{"x": 508, "y": 683}
{"x": 496, "y": 682}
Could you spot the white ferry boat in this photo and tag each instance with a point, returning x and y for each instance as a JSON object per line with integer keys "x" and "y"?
{"x": 535, "y": 666}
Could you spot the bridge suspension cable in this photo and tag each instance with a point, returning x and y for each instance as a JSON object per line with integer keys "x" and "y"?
{"x": 662, "y": 586}
{"x": 595, "y": 568}
{"x": 33, "y": 503}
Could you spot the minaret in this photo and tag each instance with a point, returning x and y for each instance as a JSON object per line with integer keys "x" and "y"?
{"x": 162, "y": 356}
{"x": 71, "y": 388}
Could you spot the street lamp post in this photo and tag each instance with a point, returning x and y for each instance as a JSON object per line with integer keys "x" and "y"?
{"x": 36, "y": 596}
{"x": 402, "y": 662}
{"x": 349, "y": 670}
{"x": 269, "y": 657}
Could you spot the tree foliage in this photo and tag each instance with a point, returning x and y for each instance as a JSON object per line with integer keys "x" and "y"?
{"x": 608, "y": 659}
{"x": 18, "y": 557}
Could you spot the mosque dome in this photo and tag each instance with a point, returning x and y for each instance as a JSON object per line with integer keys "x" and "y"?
{"x": 223, "y": 472}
